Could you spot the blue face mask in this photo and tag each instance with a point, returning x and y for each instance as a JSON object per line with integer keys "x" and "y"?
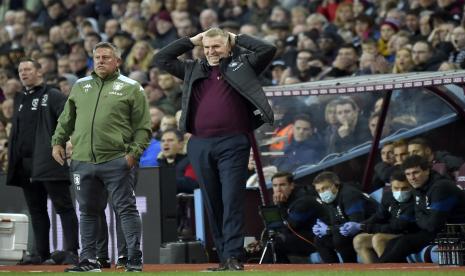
{"x": 327, "y": 196}
{"x": 402, "y": 196}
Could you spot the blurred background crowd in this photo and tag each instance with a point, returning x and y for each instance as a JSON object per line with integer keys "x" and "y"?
{"x": 316, "y": 40}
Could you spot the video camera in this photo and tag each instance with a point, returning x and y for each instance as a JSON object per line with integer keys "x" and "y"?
{"x": 272, "y": 217}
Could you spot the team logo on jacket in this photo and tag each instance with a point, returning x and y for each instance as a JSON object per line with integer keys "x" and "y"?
{"x": 118, "y": 86}
{"x": 44, "y": 100}
{"x": 236, "y": 65}
{"x": 35, "y": 103}
{"x": 87, "y": 87}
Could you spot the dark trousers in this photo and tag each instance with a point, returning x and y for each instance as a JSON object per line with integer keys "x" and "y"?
{"x": 36, "y": 199}
{"x": 92, "y": 182}
{"x": 329, "y": 245}
{"x": 220, "y": 164}
{"x": 102, "y": 240}
{"x": 399, "y": 248}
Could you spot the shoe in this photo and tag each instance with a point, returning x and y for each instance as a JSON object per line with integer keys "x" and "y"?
{"x": 104, "y": 262}
{"x": 85, "y": 266}
{"x": 220, "y": 267}
{"x": 233, "y": 264}
{"x": 121, "y": 262}
{"x": 134, "y": 266}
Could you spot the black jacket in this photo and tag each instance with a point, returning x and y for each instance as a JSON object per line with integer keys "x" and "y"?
{"x": 350, "y": 205}
{"x": 437, "y": 202}
{"x": 392, "y": 217}
{"x": 301, "y": 211}
{"x": 44, "y": 167}
{"x": 240, "y": 71}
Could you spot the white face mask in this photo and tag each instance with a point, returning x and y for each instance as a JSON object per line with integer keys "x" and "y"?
{"x": 402, "y": 196}
{"x": 327, "y": 196}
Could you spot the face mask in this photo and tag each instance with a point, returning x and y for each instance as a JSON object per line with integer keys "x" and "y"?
{"x": 314, "y": 70}
{"x": 402, "y": 196}
{"x": 327, "y": 196}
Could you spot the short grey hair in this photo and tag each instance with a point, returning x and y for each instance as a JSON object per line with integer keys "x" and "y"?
{"x": 108, "y": 45}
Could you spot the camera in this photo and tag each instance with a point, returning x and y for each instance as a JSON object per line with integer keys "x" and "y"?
{"x": 271, "y": 216}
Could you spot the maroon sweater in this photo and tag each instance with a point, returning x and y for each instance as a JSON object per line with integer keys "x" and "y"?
{"x": 216, "y": 109}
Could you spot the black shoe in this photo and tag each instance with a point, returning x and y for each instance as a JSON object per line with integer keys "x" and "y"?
{"x": 121, "y": 262}
{"x": 104, "y": 262}
{"x": 134, "y": 266}
{"x": 233, "y": 264}
{"x": 85, "y": 266}
{"x": 220, "y": 267}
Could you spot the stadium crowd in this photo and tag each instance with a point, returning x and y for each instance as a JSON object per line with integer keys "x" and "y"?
{"x": 316, "y": 40}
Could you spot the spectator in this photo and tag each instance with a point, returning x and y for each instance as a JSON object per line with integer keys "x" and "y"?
{"x": 394, "y": 217}
{"x": 423, "y": 57}
{"x": 306, "y": 146}
{"x": 458, "y": 40}
{"x": 171, "y": 101}
{"x": 387, "y": 30}
{"x": 165, "y": 30}
{"x": 353, "y": 128}
{"x": 420, "y": 146}
{"x": 208, "y": 18}
{"x": 78, "y": 64}
{"x": 383, "y": 170}
{"x": 400, "y": 151}
{"x": 123, "y": 40}
{"x": 172, "y": 155}
{"x": 437, "y": 201}
{"x": 403, "y": 62}
{"x": 140, "y": 57}
{"x": 345, "y": 64}
{"x": 111, "y": 28}
{"x": 343, "y": 203}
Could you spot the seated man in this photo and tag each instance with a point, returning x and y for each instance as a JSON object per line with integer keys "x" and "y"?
{"x": 344, "y": 203}
{"x": 420, "y": 146}
{"x": 171, "y": 155}
{"x": 437, "y": 201}
{"x": 353, "y": 128}
{"x": 394, "y": 217}
{"x": 306, "y": 146}
{"x": 383, "y": 169}
{"x": 300, "y": 210}
{"x": 400, "y": 152}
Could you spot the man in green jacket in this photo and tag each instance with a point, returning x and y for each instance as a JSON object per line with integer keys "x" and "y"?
{"x": 107, "y": 118}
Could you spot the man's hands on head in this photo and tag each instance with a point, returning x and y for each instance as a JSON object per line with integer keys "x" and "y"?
{"x": 232, "y": 39}
{"x": 58, "y": 153}
{"x": 197, "y": 39}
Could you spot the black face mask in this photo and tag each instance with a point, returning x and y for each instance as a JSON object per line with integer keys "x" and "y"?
{"x": 314, "y": 70}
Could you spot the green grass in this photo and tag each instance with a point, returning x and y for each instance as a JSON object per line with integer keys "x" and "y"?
{"x": 266, "y": 273}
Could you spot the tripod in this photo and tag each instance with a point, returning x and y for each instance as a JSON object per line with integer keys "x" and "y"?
{"x": 270, "y": 246}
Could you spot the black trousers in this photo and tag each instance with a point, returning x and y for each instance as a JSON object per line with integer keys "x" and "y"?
{"x": 36, "y": 199}
{"x": 399, "y": 248}
{"x": 329, "y": 245}
{"x": 220, "y": 164}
